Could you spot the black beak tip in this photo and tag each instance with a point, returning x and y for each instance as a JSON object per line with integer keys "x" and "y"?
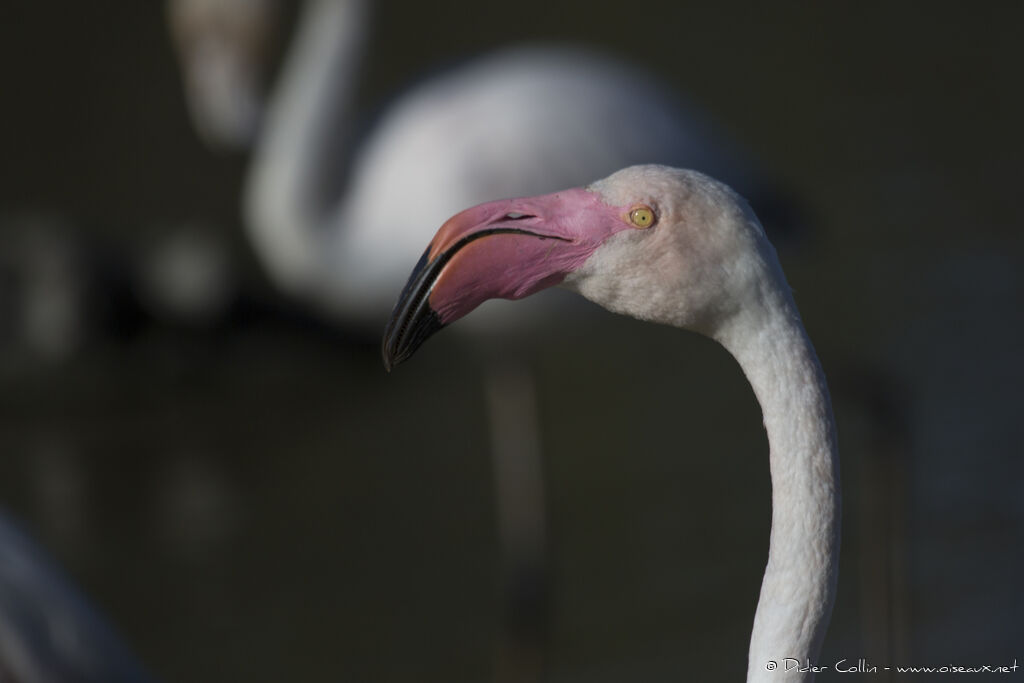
{"x": 405, "y": 334}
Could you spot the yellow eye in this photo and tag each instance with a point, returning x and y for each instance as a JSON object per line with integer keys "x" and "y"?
{"x": 641, "y": 217}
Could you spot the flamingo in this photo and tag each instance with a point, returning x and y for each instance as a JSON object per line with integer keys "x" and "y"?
{"x": 523, "y": 120}
{"x": 48, "y": 631}
{"x": 320, "y": 210}
{"x": 675, "y": 247}
{"x": 222, "y": 47}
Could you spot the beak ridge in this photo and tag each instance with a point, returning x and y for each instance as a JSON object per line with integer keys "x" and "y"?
{"x": 506, "y": 249}
{"x": 413, "y": 321}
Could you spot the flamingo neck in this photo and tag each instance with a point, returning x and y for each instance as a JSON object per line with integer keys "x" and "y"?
{"x": 799, "y": 583}
{"x": 295, "y": 179}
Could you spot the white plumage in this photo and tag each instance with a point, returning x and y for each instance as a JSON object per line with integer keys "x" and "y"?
{"x": 711, "y": 269}
{"x": 339, "y": 227}
{"x": 700, "y": 261}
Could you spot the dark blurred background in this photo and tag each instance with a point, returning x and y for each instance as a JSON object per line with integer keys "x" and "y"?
{"x": 247, "y": 495}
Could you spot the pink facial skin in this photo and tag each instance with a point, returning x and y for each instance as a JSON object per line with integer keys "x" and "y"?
{"x": 566, "y": 227}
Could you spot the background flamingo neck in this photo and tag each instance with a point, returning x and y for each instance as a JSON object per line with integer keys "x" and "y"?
{"x": 296, "y": 180}
{"x": 800, "y": 579}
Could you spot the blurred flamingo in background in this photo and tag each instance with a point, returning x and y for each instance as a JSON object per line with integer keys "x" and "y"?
{"x": 335, "y": 217}
{"x": 336, "y": 214}
{"x": 48, "y": 631}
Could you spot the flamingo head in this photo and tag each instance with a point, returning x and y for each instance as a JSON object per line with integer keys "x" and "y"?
{"x": 653, "y": 242}
{"x": 222, "y": 48}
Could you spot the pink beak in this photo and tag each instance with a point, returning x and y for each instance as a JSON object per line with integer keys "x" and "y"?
{"x": 506, "y": 249}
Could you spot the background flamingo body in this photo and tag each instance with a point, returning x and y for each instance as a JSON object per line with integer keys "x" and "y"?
{"x": 48, "y": 632}
{"x": 335, "y": 215}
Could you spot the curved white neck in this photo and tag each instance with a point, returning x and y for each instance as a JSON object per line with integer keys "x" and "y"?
{"x": 295, "y": 178}
{"x": 799, "y": 583}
